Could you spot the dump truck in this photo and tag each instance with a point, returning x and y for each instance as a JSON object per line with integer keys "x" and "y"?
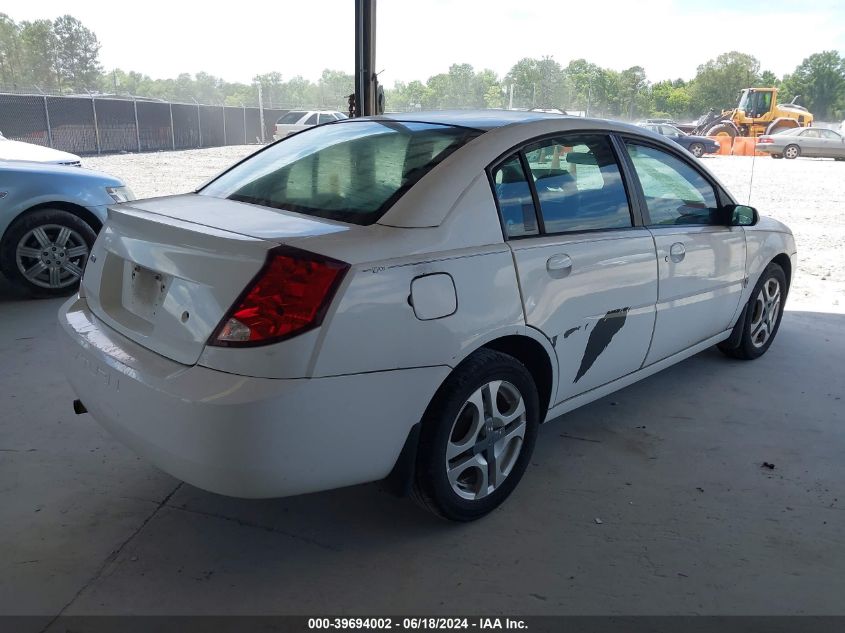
{"x": 757, "y": 112}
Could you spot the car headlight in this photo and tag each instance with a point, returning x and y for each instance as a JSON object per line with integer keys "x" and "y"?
{"x": 120, "y": 194}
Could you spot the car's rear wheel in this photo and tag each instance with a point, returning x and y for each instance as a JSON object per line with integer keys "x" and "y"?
{"x": 46, "y": 251}
{"x": 697, "y": 150}
{"x": 477, "y": 437}
{"x": 792, "y": 152}
{"x": 762, "y": 316}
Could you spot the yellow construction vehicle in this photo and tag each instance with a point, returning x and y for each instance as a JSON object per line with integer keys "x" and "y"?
{"x": 757, "y": 112}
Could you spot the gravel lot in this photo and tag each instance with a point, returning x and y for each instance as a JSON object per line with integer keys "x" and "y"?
{"x": 807, "y": 194}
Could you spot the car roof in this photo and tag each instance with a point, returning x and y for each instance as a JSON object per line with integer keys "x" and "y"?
{"x": 478, "y": 119}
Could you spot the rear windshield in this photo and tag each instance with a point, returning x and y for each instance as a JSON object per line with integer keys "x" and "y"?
{"x": 292, "y": 117}
{"x": 352, "y": 172}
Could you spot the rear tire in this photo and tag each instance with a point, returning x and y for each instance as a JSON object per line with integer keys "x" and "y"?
{"x": 45, "y": 252}
{"x": 762, "y": 316}
{"x": 697, "y": 150}
{"x": 477, "y": 437}
{"x": 791, "y": 152}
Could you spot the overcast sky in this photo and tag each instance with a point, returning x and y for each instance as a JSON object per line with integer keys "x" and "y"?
{"x": 236, "y": 40}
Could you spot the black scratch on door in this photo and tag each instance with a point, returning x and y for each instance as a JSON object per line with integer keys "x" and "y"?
{"x": 600, "y": 338}
{"x": 570, "y": 331}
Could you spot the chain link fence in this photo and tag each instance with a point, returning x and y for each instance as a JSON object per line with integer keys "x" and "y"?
{"x": 97, "y": 125}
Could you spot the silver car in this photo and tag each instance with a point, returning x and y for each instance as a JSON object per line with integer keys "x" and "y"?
{"x": 812, "y": 142}
{"x": 49, "y": 219}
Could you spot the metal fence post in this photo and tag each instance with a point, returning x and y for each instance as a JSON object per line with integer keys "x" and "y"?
{"x": 96, "y": 125}
{"x": 224, "y": 124}
{"x": 199, "y": 122}
{"x": 49, "y": 127}
{"x": 261, "y": 112}
{"x": 172, "y": 133}
{"x": 137, "y": 128}
{"x": 245, "y": 136}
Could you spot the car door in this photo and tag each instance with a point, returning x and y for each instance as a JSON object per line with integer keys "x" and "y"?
{"x": 810, "y": 143}
{"x": 700, "y": 260}
{"x": 833, "y": 145}
{"x": 586, "y": 270}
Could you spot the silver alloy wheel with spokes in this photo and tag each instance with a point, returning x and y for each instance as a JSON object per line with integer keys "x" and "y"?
{"x": 792, "y": 151}
{"x": 51, "y": 256}
{"x": 765, "y": 312}
{"x": 697, "y": 150}
{"x": 485, "y": 440}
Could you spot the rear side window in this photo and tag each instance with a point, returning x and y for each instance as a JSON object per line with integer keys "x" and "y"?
{"x": 291, "y": 117}
{"x": 579, "y": 185}
{"x": 514, "y": 197}
{"x": 351, "y": 172}
{"x": 675, "y": 192}
{"x": 312, "y": 120}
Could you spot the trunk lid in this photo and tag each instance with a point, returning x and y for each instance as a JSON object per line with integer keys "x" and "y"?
{"x": 165, "y": 271}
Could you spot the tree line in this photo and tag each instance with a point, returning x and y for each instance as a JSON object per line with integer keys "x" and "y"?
{"x": 63, "y": 55}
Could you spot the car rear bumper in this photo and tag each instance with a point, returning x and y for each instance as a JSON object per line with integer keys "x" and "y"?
{"x": 237, "y": 435}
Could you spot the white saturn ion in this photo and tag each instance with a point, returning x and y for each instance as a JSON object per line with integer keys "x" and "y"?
{"x": 409, "y": 297}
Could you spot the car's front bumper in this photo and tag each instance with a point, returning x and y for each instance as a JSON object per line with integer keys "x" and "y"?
{"x": 237, "y": 435}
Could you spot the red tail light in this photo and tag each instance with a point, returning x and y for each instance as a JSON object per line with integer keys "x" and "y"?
{"x": 764, "y": 139}
{"x": 289, "y": 296}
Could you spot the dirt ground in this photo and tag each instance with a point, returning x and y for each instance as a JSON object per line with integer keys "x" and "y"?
{"x": 807, "y": 194}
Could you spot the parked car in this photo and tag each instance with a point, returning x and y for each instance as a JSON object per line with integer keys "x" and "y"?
{"x": 49, "y": 218}
{"x": 409, "y": 297}
{"x": 812, "y": 142}
{"x": 698, "y": 146}
{"x": 298, "y": 120}
{"x": 17, "y": 150}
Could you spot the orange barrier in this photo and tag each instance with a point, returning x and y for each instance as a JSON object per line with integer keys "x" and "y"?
{"x": 725, "y": 144}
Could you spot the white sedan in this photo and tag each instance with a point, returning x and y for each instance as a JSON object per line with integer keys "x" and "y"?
{"x": 17, "y": 150}
{"x": 409, "y": 297}
{"x": 298, "y": 120}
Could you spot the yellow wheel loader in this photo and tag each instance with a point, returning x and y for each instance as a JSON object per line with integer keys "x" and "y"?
{"x": 757, "y": 112}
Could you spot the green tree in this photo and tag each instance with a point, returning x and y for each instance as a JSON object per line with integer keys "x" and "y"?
{"x": 335, "y": 86}
{"x": 820, "y": 80}
{"x": 39, "y": 47}
{"x": 10, "y": 51}
{"x": 77, "y": 54}
{"x": 719, "y": 81}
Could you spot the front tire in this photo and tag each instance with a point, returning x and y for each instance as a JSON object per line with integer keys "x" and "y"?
{"x": 722, "y": 129}
{"x": 697, "y": 150}
{"x": 762, "y": 316}
{"x": 477, "y": 437}
{"x": 45, "y": 252}
{"x": 792, "y": 152}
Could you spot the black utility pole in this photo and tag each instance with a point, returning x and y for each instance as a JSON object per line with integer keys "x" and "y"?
{"x": 366, "y": 100}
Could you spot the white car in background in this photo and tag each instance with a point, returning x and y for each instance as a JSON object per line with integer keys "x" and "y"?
{"x": 17, "y": 150}
{"x": 298, "y": 120}
{"x": 410, "y": 296}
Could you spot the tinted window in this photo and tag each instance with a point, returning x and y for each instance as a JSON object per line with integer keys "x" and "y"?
{"x": 675, "y": 192}
{"x": 340, "y": 115}
{"x": 326, "y": 118}
{"x": 514, "y": 196}
{"x": 312, "y": 120}
{"x": 292, "y": 117}
{"x": 350, "y": 172}
{"x": 578, "y": 184}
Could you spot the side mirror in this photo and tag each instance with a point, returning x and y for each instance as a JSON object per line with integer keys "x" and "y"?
{"x": 741, "y": 215}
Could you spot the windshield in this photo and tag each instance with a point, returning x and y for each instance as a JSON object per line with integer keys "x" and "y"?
{"x": 292, "y": 117}
{"x": 352, "y": 172}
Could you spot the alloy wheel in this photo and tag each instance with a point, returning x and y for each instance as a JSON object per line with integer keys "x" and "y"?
{"x": 51, "y": 256}
{"x": 485, "y": 440}
{"x": 765, "y": 312}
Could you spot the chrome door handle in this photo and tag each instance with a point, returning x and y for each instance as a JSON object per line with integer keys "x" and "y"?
{"x": 677, "y": 252}
{"x": 559, "y": 266}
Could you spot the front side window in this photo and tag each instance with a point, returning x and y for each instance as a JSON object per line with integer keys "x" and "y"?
{"x": 578, "y": 184}
{"x": 513, "y": 194}
{"x": 326, "y": 118}
{"x": 351, "y": 172}
{"x": 675, "y": 192}
{"x": 829, "y": 134}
